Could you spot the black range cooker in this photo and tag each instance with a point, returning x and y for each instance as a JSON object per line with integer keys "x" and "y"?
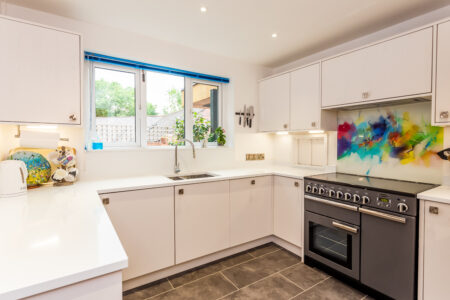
{"x": 366, "y": 229}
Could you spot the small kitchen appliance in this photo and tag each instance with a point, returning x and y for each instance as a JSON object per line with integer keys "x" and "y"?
{"x": 366, "y": 229}
{"x": 13, "y": 178}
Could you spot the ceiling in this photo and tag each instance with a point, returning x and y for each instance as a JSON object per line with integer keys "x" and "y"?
{"x": 242, "y": 29}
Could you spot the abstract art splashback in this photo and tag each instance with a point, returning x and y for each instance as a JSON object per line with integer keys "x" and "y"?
{"x": 395, "y": 142}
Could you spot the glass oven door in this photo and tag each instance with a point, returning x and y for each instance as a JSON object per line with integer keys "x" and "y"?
{"x": 333, "y": 243}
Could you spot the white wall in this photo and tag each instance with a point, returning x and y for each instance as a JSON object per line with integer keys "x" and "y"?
{"x": 242, "y": 90}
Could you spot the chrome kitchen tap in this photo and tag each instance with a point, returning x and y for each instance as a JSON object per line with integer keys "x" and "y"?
{"x": 177, "y": 164}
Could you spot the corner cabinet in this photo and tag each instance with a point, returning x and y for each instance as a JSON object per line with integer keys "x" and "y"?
{"x": 144, "y": 222}
{"x": 442, "y": 93}
{"x": 251, "y": 211}
{"x": 434, "y": 244}
{"x": 40, "y": 74}
{"x": 202, "y": 219}
{"x": 288, "y": 210}
{"x": 400, "y": 67}
{"x": 274, "y": 103}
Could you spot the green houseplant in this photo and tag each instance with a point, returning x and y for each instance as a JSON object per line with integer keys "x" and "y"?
{"x": 220, "y": 135}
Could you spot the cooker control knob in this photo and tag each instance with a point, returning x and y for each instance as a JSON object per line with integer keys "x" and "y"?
{"x": 356, "y": 198}
{"x": 308, "y": 188}
{"x": 347, "y": 196}
{"x": 365, "y": 200}
{"x": 315, "y": 190}
{"x": 331, "y": 193}
{"x": 340, "y": 194}
{"x": 321, "y": 191}
{"x": 402, "y": 207}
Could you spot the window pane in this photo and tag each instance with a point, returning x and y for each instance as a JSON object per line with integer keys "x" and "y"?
{"x": 165, "y": 109}
{"x": 205, "y": 111}
{"x": 115, "y": 106}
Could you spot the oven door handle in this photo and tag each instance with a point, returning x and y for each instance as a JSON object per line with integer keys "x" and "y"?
{"x": 345, "y": 227}
{"x": 382, "y": 215}
{"x": 332, "y": 203}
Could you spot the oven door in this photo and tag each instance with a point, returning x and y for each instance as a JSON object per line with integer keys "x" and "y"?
{"x": 333, "y": 243}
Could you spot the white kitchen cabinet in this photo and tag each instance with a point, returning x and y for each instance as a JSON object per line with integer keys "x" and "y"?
{"x": 442, "y": 93}
{"x": 288, "y": 210}
{"x": 40, "y": 74}
{"x": 144, "y": 222}
{"x": 436, "y": 242}
{"x": 202, "y": 219}
{"x": 274, "y": 103}
{"x": 250, "y": 209}
{"x": 305, "y": 107}
{"x": 397, "y": 68}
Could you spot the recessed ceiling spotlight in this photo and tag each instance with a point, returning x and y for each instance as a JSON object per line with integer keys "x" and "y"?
{"x": 203, "y": 9}
{"x": 274, "y": 35}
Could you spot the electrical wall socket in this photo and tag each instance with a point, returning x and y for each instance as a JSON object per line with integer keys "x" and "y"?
{"x": 254, "y": 156}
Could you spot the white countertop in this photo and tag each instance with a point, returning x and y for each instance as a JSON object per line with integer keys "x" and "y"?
{"x": 56, "y": 236}
{"x": 438, "y": 194}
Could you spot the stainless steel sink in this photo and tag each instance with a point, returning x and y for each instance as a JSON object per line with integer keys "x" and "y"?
{"x": 191, "y": 176}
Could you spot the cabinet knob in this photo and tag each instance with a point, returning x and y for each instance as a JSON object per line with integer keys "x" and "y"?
{"x": 285, "y": 126}
{"x": 105, "y": 201}
{"x": 253, "y": 182}
{"x": 313, "y": 124}
{"x": 73, "y": 117}
{"x": 434, "y": 210}
{"x": 365, "y": 95}
{"x": 181, "y": 192}
{"x": 444, "y": 115}
{"x": 296, "y": 184}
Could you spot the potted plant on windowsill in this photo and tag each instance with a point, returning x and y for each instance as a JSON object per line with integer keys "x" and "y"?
{"x": 220, "y": 135}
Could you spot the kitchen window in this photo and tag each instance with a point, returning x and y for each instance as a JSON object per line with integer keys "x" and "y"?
{"x": 141, "y": 108}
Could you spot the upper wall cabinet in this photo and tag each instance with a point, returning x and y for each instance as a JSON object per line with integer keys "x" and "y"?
{"x": 40, "y": 74}
{"x": 274, "y": 103}
{"x": 442, "y": 92}
{"x": 291, "y": 101}
{"x": 397, "y": 68}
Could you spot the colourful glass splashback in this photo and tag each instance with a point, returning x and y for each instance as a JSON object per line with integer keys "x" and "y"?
{"x": 395, "y": 142}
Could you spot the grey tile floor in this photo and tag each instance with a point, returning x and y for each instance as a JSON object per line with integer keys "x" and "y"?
{"x": 267, "y": 272}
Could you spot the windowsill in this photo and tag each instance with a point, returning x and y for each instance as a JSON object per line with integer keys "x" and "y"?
{"x": 159, "y": 148}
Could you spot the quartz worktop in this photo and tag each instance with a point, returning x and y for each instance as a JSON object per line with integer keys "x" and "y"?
{"x": 438, "y": 194}
{"x": 56, "y": 236}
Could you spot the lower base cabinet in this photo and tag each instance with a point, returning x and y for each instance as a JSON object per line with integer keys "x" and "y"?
{"x": 288, "y": 210}
{"x": 144, "y": 222}
{"x": 250, "y": 209}
{"x": 435, "y": 242}
{"x": 202, "y": 219}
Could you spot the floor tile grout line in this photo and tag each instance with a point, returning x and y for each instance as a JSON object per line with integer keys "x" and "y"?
{"x": 228, "y": 279}
{"x": 310, "y": 287}
{"x": 287, "y": 279}
{"x": 170, "y": 283}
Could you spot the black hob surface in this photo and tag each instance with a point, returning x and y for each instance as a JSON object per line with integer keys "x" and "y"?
{"x": 374, "y": 183}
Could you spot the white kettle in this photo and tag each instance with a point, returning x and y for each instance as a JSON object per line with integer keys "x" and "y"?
{"x": 13, "y": 178}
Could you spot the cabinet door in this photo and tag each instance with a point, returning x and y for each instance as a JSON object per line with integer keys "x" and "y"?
{"x": 39, "y": 75}
{"x": 274, "y": 103}
{"x": 343, "y": 79}
{"x": 202, "y": 219}
{"x": 437, "y": 243}
{"x": 251, "y": 209}
{"x": 400, "y": 67}
{"x": 288, "y": 209}
{"x": 442, "y": 95}
{"x": 396, "y": 68}
{"x": 305, "y": 98}
{"x": 144, "y": 222}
